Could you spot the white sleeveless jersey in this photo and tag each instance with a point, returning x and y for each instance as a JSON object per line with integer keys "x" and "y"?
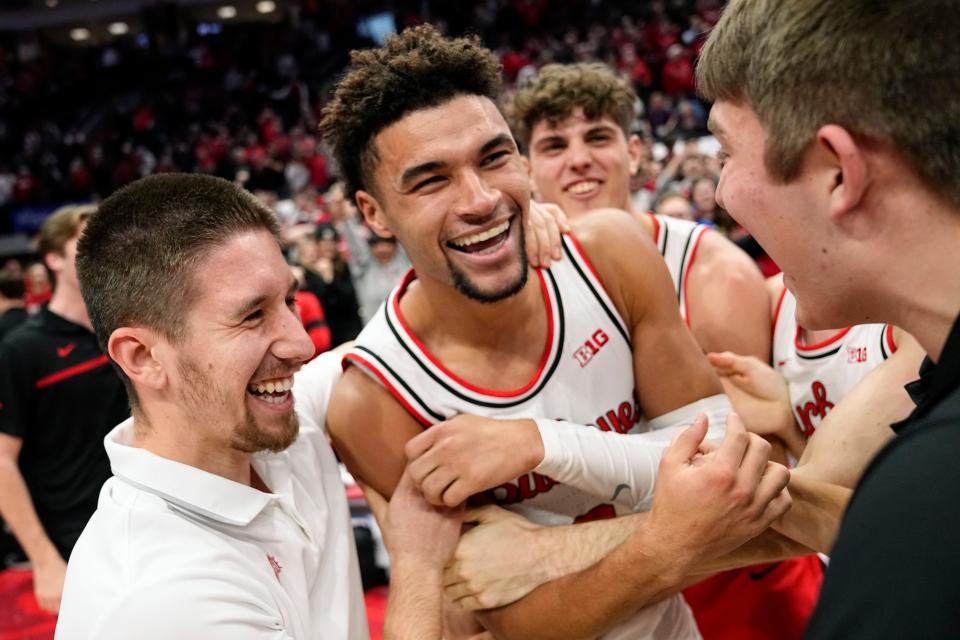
{"x": 678, "y": 241}
{"x": 585, "y": 376}
{"x": 820, "y": 375}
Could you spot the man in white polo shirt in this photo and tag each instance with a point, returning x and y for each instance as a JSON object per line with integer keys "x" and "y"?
{"x": 225, "y": 518}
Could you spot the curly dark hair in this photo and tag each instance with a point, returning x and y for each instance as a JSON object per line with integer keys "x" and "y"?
{"x": 559, "y": 89}
{"x": 417, "y": 69}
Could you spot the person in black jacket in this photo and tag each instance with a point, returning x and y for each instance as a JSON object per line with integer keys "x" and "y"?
{"x": 327, "y": 276}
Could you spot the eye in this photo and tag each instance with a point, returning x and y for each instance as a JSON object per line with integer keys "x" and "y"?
{"x": 494, "y": 157}
{"x": 598, "y": 137}
{"x": 429, "y": 181}
{"x": 722, "y": 156}
{"x": 291, "y": 303}
{"x": 254, "y": 316}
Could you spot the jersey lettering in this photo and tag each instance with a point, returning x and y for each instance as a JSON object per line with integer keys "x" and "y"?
{"x": 620, "y": 420}
{"x": 600, "y": 512}
{"x": 523, "y": 488}
{"x": 818, "y": 407}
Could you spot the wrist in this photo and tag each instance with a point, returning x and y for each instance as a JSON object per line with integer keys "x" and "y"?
{"x": 533, "y": 443}
{"x": 46, "y": 554}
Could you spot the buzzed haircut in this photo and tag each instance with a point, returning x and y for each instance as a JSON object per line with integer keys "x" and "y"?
{"x": 137, "y": 258}
{"x": 417, "y": 69}
{"x": 558, "y": 89}
{"x": 885, "y": 71}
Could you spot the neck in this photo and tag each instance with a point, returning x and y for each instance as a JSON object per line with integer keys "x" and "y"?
{"x": 434, "y": 309}
{"x": 67, "y": 303}
{"x": 921, "y": 294}
{"x": 178, "y": 439}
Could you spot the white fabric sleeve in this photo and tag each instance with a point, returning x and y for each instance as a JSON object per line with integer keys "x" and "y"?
{"x": 616, "y": 467}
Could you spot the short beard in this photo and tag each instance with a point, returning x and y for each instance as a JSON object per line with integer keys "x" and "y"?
{"x": 465, "y": 286}
{"x": 247, "y": 435}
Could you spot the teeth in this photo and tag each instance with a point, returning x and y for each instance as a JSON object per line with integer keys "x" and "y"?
{"x": 583, "y": 187}
{"x": 480, "y": 237}
{"x": 274, "y": 386}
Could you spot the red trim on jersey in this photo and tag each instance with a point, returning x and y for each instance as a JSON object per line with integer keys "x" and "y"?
{"x": 70, "y": 372}
{"x": 656, "y": 229}
{"x": 363, "y": 362}
{"x": 583, "y": 256}
{"x": 890, "y": 341}
{"x": 489, "y": 392}
{"x": 776, "y": 312}
{"x": 686, "y": 274}
{"x": 826, "y": 343}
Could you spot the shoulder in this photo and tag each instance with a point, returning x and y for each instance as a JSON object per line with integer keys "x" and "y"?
{"x": 725, "y": 267}
{"x": 625, "y": 258}
{"x": 313, "y": 385}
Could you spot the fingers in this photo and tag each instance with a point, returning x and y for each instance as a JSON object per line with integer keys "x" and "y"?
{"x": 772, "y": 488}
{"x": 735, "y": 443}
{"x": 535, "y": 234}
{"x": 420, "y": 444}
{"x": 755, "y": 461}
{"x": 686, "y": 444}
{"x": 435, "y": 484}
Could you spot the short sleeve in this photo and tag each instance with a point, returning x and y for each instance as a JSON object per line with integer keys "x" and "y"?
{"x": 312, "y": 387}
{"x": 15, "y": 391}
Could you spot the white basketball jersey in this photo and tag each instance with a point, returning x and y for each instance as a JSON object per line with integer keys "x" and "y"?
{"x": 678, "y": 241}
{"x": 585, "y": 376}
{"x": 820, "y": 375}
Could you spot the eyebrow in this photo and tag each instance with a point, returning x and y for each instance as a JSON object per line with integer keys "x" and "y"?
{"x": 413, "y": 173}
{"x": 714, "y": 127}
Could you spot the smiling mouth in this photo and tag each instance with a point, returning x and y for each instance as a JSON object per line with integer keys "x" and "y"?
{"x": 483, "y": 241}
{"x": 583, "y": 187}
{"x": 273, "y": 392}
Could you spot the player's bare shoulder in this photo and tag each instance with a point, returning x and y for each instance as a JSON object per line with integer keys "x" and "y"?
{"x": 363, "y": 414}
{"x": 622, "y": 252}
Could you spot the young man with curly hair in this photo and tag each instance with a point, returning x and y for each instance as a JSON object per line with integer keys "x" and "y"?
{"x": 475, "y": 344}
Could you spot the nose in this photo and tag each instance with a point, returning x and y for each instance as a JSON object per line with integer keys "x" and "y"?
{"x": 292, "y": 344}
{"x": 476, "y": 198}
{"x": 578, "y": 155}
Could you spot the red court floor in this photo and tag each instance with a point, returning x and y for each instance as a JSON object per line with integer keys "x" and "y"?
{"x": 22, "y": 619}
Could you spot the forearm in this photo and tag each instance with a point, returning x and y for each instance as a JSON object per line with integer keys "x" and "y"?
{"x": 818, "y": 508}
{"x": 17, "y": 509}
{"x": 631, "y": 577}
{"x": 616, "y": 467}
{"x": 415, "y": 606}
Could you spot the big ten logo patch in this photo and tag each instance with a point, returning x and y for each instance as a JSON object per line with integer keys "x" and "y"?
{"x": 856, "y": 355}
{"x": 591, "y": 347}
{"x": 818, "y": 407}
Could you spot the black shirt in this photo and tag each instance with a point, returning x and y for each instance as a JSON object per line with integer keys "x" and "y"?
{"x": 11, "y": 319}
{"x": 59, "y": 394}
{"x": 895, "y": 569}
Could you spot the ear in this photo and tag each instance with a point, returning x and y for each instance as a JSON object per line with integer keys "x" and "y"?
{"x": 54, "y": 261}
{"x": 846, "y": 161}
{"x": 373, "y": 214}
{"x": 134, "y": 350}
{"x": 634, "y": 153}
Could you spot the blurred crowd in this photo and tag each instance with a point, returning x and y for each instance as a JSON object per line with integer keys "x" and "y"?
{"x": 243, "y": 103}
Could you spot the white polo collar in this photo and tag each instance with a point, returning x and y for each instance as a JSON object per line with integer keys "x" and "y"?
{"x": 187, "y": 487}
